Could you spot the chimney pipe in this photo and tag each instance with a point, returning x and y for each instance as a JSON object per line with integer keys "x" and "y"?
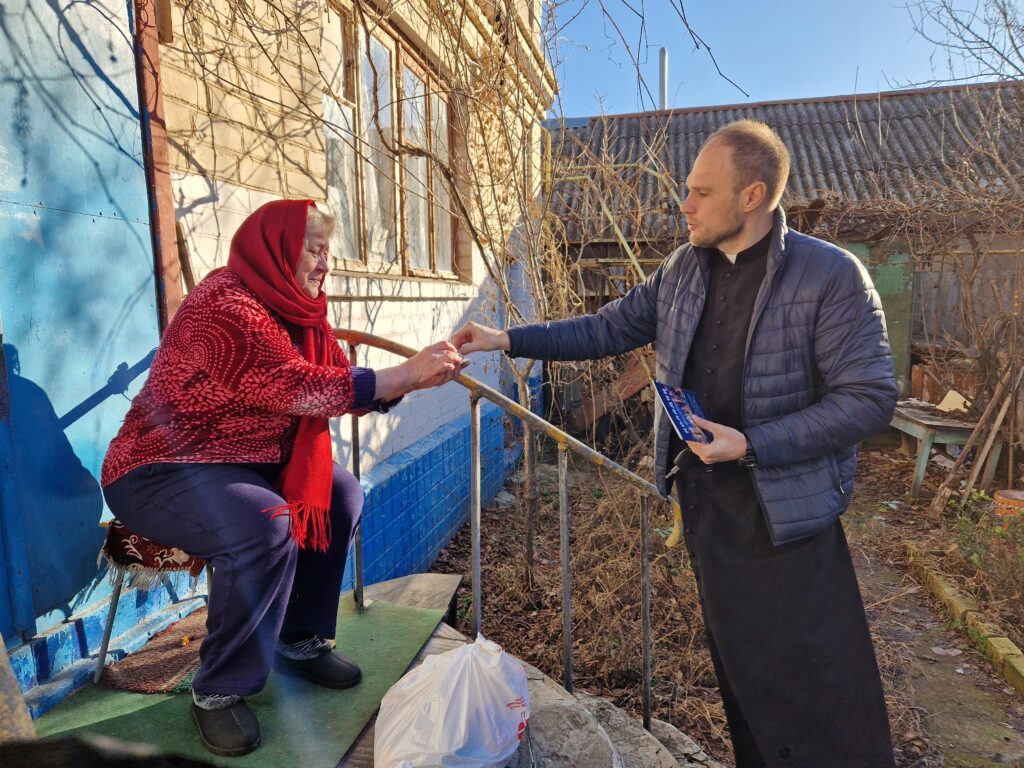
{"x": 663, "y": 90}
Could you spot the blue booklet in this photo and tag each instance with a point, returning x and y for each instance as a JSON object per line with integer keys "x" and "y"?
{"x": 680, "y": 404}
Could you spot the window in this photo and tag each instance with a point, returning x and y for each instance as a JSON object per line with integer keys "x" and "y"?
{"x": 385, "y": 118}
{"x": 337, "y": 48}
{"x": 376, "y": 108}
{"x": 442, "y": 201}
{"x": 414, "y": 172}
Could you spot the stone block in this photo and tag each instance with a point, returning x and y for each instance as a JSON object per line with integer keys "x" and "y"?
{"x": 227, "y": 135}
{"x": 183, "y": 86}
{"x": 564, "y": 734}
{"x": 939, "y": 586}
{"x": 1013, "y": 671}
{"x": 179, "y": 116}
{"x": 980, "y": 630}
{"x": 958, "y": 605}
{"x": 200, "y": 157}
{"x": 999, "y": 649}
{"x": 231, "y": 105}
{"x": 637, "y": 747}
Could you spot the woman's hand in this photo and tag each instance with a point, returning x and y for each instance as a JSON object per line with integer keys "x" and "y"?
{"x": 473, "y": 337}
{"x": 432, "y": 366}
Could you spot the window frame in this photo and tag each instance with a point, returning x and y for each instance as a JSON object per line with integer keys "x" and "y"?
{"x": 379, "y": 267}
{"x": 403, "y": 56}
{"x": 455, "y": 273}
{"x": 349, "y": 99}
{"x": 409, "y": 62}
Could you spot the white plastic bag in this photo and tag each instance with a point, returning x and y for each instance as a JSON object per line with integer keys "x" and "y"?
{"x": 466, "y": 708}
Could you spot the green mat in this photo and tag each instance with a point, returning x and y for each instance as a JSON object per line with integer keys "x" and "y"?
{"x": 303, "y": 725}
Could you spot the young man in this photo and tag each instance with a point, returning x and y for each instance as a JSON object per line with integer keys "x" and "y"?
{"x": 782, "y": 338}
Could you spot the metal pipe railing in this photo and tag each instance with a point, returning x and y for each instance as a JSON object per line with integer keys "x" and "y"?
{"x": 566, "y": 443}
{"x": 563, "y": 534}
{"x": 475, "y": 502}
{"x": 645, "y": 608}
{"x": 357, "y": 566}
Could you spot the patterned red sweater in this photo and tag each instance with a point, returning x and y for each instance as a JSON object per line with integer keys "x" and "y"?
{"x": 228, "y": 384}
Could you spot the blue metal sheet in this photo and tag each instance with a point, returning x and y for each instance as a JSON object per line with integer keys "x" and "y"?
{"x": 77, "y": 287}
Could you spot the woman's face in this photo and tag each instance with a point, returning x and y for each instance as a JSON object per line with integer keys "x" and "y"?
{"x": 312, "y": 266}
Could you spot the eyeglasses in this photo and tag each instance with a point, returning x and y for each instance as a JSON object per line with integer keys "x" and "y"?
{"x": 320, "y": 252}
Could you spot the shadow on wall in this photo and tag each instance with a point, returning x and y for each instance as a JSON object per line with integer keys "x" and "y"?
{"x": 60, "y": 500}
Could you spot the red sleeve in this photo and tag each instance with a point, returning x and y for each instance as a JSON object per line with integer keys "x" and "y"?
{"x": 244, "y": 349}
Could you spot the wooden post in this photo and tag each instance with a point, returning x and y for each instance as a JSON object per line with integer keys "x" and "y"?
{"x": 156, "y": 158}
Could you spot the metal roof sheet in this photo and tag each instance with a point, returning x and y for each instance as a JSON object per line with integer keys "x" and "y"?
{"x": 862, "y": 148}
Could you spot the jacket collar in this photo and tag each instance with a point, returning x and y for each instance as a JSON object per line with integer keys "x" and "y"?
{"x": 777, "y": 246}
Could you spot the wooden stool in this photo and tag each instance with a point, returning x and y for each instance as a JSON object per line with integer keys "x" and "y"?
{"x": 144, "y": 563}
{"x": 931, "y": 426}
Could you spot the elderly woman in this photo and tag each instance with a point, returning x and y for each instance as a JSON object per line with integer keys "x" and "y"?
{"x": 226, "y": 453}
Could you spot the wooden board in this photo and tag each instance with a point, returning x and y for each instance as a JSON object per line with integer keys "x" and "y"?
{"x": 638, "y": 374}
{"x": 930, "y": 417}
{"x": 420, "y": 590}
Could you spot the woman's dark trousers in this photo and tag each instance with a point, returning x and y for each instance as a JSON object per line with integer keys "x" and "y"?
{"x": 264, "y": 586}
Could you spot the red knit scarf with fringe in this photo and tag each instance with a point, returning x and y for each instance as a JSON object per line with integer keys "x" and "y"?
{"x": 265, "y": 252}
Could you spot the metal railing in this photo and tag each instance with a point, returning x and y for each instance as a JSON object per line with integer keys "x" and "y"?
{"x": 566, "y": 443}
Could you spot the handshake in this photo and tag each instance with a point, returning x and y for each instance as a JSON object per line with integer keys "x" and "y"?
{"x": 438, "y": 363}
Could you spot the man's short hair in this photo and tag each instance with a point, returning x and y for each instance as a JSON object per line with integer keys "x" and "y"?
{"x": 758, "y": 154}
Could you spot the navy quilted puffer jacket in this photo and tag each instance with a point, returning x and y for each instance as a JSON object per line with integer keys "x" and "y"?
{"x": 818, "y": 375}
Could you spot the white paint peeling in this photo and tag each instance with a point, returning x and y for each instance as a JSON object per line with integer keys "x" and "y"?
{"x": 8, "y": 182}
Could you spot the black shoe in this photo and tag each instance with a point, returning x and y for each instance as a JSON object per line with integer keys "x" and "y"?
{"x": 229, "y": 732}
{"x": 329, "y": 669}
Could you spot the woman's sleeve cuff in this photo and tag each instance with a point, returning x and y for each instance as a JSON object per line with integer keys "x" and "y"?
{"x": 364, "y": 386}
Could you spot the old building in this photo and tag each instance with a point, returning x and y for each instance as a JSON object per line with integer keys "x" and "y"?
{"x": 141, "y": 138}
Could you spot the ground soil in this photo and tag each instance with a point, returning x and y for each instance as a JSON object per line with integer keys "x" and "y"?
{"x": 947, "y": 706}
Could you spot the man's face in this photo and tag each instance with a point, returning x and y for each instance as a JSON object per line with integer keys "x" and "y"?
{"x": 712, "y": 205}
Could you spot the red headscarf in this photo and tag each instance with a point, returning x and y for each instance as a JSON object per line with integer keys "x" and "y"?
{"x": 265, "y": 252}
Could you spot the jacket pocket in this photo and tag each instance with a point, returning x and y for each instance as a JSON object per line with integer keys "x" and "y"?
{"x": 836, "y": 480}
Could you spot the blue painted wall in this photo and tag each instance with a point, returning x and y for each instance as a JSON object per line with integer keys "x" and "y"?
{"x": 77, "y": 290}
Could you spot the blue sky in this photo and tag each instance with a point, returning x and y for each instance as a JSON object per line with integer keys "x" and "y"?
{"x": 785, "y": 49}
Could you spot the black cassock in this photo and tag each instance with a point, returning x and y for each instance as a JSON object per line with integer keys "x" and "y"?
{"x": 786, "y": 624}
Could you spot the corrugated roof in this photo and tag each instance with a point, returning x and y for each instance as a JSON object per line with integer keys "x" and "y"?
{"x": 863, "y": 147}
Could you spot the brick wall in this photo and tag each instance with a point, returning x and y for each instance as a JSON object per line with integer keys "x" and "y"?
{"x": 242, "y": 95}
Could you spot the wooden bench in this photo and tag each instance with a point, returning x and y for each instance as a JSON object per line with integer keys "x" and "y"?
{"x": 931, "y": 426}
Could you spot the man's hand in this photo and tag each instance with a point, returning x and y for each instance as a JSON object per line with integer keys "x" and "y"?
{"x": 473, "y": 337}
{"x": 432, "y": 366}
{"x": 728, "y": 444}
